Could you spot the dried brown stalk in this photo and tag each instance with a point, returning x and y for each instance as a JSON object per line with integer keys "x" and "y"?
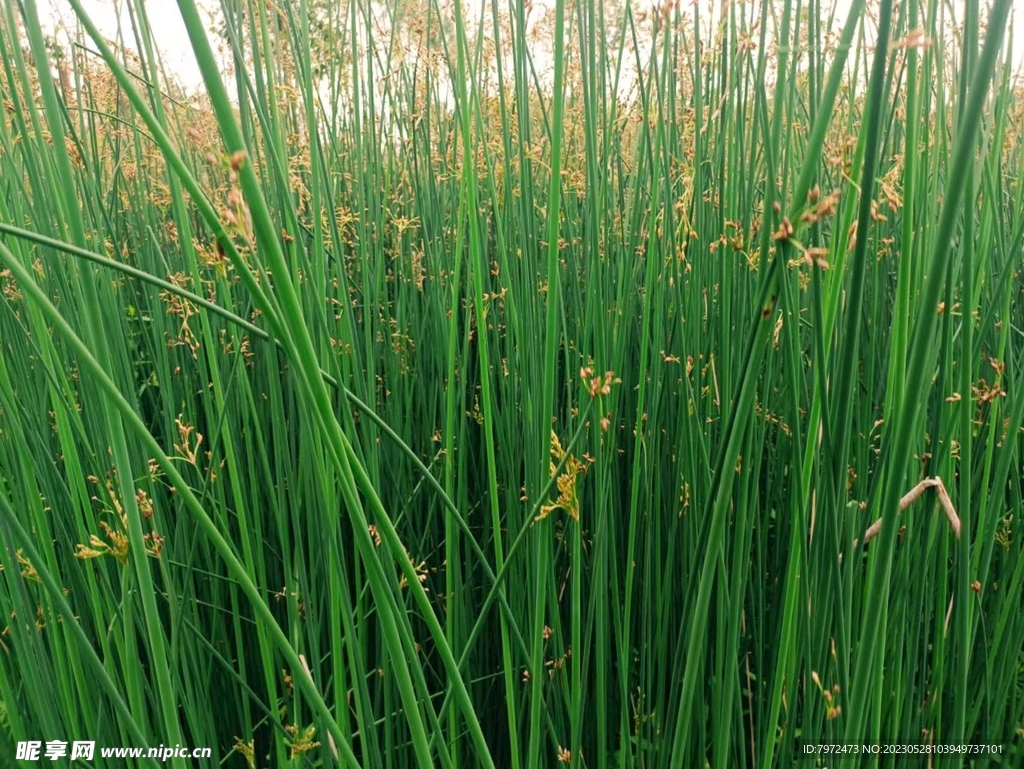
{"x": 910, "y": 497}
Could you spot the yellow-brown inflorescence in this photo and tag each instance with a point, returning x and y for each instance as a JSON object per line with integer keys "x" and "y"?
{"x": 567, "y": 498}
{"x": 301, "y": 742}
{"x": 830, "y": 696}
{"x": 116, "y": 542}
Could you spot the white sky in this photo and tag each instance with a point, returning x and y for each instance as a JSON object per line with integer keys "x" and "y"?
{"x": 173, "y": 43}
{"x": 163, "y": 16}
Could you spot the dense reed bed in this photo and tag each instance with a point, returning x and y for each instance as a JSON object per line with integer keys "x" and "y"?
{"x": 514, "y": 385}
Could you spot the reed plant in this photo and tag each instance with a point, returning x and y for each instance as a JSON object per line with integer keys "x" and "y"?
{"x": 514, "y": 384}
